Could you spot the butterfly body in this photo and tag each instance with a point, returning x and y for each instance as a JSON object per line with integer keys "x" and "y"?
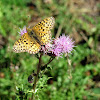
{"x": 33, "y": 35}
{"x": 39, "y": 35}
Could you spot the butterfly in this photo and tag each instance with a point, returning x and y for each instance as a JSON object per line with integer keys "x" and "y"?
{"x": 34, "y": 38}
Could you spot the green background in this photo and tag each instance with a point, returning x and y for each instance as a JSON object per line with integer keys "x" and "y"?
{"x": 78, "y": 18}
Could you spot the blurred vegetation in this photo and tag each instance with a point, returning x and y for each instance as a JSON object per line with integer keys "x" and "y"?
{"x": 78, "y": 18}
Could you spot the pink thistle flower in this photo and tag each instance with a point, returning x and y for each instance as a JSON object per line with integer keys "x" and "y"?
{"x": 47, "y": 48}
{"x": 60, "y": 46}
{"x": 22, "y": 31}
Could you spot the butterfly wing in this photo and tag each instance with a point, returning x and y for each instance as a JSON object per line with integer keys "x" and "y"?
{"x": 26, "y": 44}
{"x": 42, "y": 30}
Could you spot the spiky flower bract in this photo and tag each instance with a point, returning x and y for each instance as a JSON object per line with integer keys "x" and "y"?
{"x": 22, "y": 31}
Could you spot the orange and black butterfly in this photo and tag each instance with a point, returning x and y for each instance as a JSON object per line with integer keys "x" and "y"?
{"x": 39, "y": 35}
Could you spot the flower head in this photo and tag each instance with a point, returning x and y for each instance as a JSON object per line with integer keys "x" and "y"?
{"x": 22, "y": 31}
{"x": 47, "y": 48}
{"x": 60, "y": 46}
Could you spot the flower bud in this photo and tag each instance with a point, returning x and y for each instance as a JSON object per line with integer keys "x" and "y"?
{"x": 30, "y": 79}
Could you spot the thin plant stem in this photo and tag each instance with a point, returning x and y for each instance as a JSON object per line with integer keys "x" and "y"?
{"x": 71, "y": 78}
{"x": 37, "y": 74}
{"x": 36, "y": 78}
{"x": 51, "y": 59}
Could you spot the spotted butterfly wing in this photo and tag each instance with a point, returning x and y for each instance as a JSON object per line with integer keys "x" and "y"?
{"x": 26, "y": 44}
{"x": 42, "y": 30}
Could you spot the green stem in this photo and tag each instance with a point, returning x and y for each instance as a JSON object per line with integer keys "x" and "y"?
{"x": 45, "y": 66}
{"x": 37, "y": 74}
{"x": 70, "y": 73}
